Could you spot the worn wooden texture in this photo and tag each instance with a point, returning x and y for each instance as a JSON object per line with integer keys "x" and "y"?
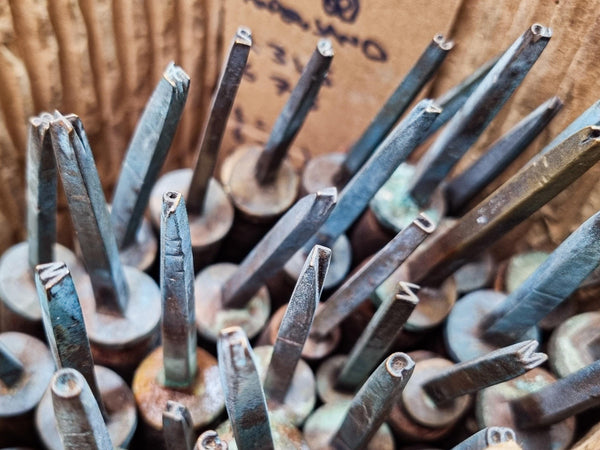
{"x": 101, "y": 58}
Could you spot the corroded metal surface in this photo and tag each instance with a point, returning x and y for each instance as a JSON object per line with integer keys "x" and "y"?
{"x": 78, "y": 418}
{"x": 363, "y": 282}
{"x": 294, "y": 112}
{"x": 465, "y": 186}
{"x": 210, "y": 440}
{"x": 478, "y": 111}
{"x": 408, "y": 89}
{"x": 212, "y": 135}
{"x": 575, "y": 343}
{"x": 147, "y": 152}
{"x": 296, "y": 323}
{"x": 525, "y": 192}
{"x": 550, "y": 285}
{"x": 244, "y": 396}
{"x": 286, "y": 237}
{"x": 178, "y": 429}
{"x": 177, "y": 294}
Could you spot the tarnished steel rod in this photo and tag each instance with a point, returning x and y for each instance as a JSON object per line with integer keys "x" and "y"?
{"x": 525, "y": 192}
{"x": 371, "y": 405}
{"x": 487, "y": 437}
{"x": 178, "y": 431}
{"x": 90, "y": 215}
{"x": 558, "y": 401}
{"x": 64, "y": 325}
{"x": 147, "y": 152}
{"x": 296, "y": 323}
{"x": 590, "y": 116}
{"x": 286, "y": 237}
{"x": 212, "y": 135}
{"x": 454, "y": 98}
{"x": 378, "y": 337}
{"x": 177, "y": 294}
{"x": 41, "y": 191}
{"x": 11, "y": 369}
{"x": 395, "y": 149}
{"x": 294, "y": 112}
{"x": 546, "y": 288}
{"x": 464, "y": 187}
{"x": 244, "y": 396}
{"x": 427, "y": 64}
{"x": 365, "y": 280}
{"x": 78, "y": 418}
{"x": 472, "y": 376}
{"x": 477, "y": 112}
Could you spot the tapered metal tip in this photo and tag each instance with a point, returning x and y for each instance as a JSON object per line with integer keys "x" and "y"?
{"x": 443, "y": 42}
{"x": 593, "y": 133}
{"x": 319, "y": 259}
{"x": 433, "y": 107}
{"x": 178, "y": 428}
{"x": 171, "y": 200}
{"x": 209, "y": 440}
{"x": 528, "y": 357}
{"x": 400, "y": 365}
{"x": 408, "y": 292}
{"x": 540, "y": 31}
{"x": 325, "y": 48}
{"x": 243, "y": 36}
{"x": 327, "y": 196}
{"x": 51, "y": 273}
{"x": 496, "y": 435}
{"x": 177, "y": 77}
{"x": 553, "y": 103}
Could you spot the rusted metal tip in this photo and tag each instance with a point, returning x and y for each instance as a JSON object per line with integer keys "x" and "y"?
{"x": 243, "y": 36}
{"x": 496, "y": 435}
{"x": 210, "y": 440}
{"x": 319, "y": 258}
{"x": 407, "y": 292}
{"x": 443, "y": 42}
{"x": 325, "y": 48}
{"x": 593, "y": 133}
{"x": 233, "y": 335}
{"x": 432, "y": 107}
{"x": 171, "y": 200}
{"x": 51, "y": 273}
{"x": 400, "y": 365}
{"x": 528, "y": 357}
{"x": 554, "y": 103}
{"x": 178, "y": 412}
{"x": 540, "y": 31}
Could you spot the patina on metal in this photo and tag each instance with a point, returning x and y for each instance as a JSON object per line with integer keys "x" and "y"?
{"x": 179, "y": 370}
{"x": 19, "y": 308}
{"x": 355, "y": 197}
{"x": 177, "y": 294}
{"x": 378, "y": 337}
{"x": 244, "y": 396}
{"x": 438, "y": 394}
{"x": 210, "y": 440}
{"x": 212, "y": 135}
{"x": 178, "y": 431}
{"x": 465, "y": 186}
{"x": 487, "y": 437}
{"x": 63, "y": 322}
{"x": 123, "y": 314}
{"x": 26, "y": 368}
{"x": 528, "y": 190}
{"x": 363, "y": 282}
{"x": 146, "y": 154}
{"x": 78, "y": 417}
{"x": 550, "y": 285}
{"x": 279, "y": 244}
{"x": 369, "y": 407}
{"x": 478, "y": 111}
{"x": 296, "y": 324}
{"x": 294, "y": 112}
{"x": 404, "y": 94}
{"x": 560, "y": 400}
{"x": 11, "y": 369}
